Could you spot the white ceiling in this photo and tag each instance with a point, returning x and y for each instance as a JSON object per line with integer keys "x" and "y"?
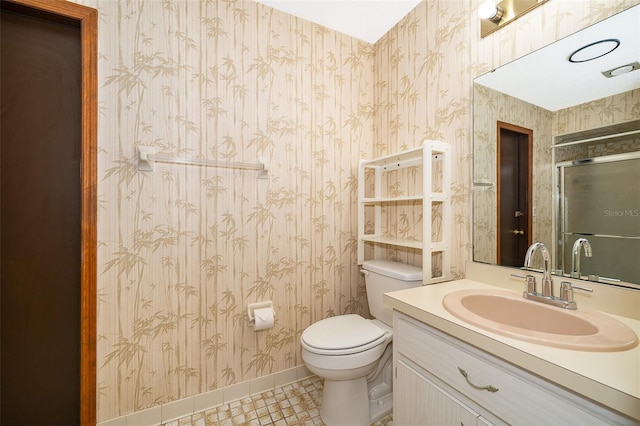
{"x": 547, "y": 79}
{"x": 366, "y": 20}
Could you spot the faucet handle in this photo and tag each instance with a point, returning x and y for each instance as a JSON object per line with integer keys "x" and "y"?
{"x": 566, "y": 290}
{"x": 530, "y": 282}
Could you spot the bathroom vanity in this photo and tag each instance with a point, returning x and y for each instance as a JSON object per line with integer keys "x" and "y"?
{"x": 448, "y": 371}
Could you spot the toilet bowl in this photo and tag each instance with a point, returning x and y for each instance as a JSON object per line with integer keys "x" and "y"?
{"x": 353, "y": 354}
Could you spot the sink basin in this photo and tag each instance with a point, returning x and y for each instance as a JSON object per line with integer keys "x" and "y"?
{"x": 509, "y": 314}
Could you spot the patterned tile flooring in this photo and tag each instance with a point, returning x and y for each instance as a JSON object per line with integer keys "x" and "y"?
{"x": 293, "y": 404}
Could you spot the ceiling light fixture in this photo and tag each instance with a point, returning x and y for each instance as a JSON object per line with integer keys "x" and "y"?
{"x": 495, "y": 14}
{"x": 594, "y": 50}
{"x": 623, "y": 69}
{"x": 489, "y": 10}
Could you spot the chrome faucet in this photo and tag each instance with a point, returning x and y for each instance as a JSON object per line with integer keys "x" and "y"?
{"x": 566, "y": 291}
{"x": 575, "y": 258}
{"x": 547, "y": 283}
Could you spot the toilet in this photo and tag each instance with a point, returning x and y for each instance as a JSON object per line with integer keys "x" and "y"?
{"x": 353, "y": 354}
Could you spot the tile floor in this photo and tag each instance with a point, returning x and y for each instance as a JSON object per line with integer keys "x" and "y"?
{"x": 293, "y": 404}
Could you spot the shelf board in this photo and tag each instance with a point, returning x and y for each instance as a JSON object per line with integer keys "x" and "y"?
{"x": 398, "y": 158}
{"x": 392, "y": 241}
{"x": 438, "y": 246}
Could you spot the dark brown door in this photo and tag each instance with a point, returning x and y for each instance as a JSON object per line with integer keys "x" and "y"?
{"x": 514, "y": 193}
{"x": 40, "y": 152}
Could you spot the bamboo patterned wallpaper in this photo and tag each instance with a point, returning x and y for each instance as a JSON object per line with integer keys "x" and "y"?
{"x": 183, "y": 249}
{"x": 613, "y": 109}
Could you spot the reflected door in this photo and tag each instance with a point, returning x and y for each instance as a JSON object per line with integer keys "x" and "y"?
{"x": 514, "y": 193}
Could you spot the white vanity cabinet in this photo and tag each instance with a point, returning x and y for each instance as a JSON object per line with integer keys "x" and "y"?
{"x": 440, "y": 380}
{"x": 419, "y": 401}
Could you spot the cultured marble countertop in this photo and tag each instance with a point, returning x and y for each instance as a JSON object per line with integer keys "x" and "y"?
{"x": 611, "y": 378}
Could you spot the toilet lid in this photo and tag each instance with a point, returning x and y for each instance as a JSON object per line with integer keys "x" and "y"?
{"x": 342, "y": 332}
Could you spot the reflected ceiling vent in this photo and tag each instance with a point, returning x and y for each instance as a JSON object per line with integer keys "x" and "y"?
{"x": 621, "y": 70}
{"x": 594, "y": 50}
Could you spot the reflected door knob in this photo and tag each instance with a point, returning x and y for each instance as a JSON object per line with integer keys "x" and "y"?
{"x": 517, "y": 232}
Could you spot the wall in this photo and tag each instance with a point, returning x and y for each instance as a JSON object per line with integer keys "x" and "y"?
{"x": 423, "y": 91}
{"x": 183, "y": 249}
{"x": 613, "y": 109}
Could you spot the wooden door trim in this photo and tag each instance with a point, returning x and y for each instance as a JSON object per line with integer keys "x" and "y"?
{"x": 507, "y": 126}
{"x": 88, "y": 21}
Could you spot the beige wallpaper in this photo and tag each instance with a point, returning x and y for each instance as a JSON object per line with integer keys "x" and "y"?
{"x": 183, "y": 249}
{"x": 602, "y": 112}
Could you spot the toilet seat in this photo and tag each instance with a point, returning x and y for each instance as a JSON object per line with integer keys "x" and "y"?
{"x": 343, "y": 335}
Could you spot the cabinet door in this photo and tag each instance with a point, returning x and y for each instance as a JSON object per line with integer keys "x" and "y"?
{"x": 418, "y": 401}
{"x": 520, "y": 394}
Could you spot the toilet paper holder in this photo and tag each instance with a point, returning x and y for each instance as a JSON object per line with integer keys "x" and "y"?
{"x": 251, "y": 307}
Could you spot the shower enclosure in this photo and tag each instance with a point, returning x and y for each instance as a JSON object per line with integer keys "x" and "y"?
{"x": 598, "y": 198}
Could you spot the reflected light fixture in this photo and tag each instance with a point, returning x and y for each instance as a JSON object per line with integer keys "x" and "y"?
{"x": 489, "y": 10}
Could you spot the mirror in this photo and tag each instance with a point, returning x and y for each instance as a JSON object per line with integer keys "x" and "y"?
{"x": 577, "y": 158}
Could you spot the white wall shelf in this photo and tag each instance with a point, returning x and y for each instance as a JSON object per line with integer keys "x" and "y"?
{"x": 431, "y": 196}
{"x": 392, "y": 241}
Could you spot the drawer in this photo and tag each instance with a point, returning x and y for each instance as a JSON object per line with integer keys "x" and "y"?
{"x": 498, "y": 387}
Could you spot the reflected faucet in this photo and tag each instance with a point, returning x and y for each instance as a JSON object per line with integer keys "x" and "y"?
{"x": 547, "y": 284}
{"x": 575, "y": 258}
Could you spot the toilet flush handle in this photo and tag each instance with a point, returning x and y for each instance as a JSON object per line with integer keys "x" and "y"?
{"x": 364, "y": 272}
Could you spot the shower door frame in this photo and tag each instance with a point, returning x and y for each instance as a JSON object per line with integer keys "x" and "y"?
{"x": 559, "y": 202}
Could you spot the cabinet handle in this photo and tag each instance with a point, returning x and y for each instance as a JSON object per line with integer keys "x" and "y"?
{"x": 487, "y": 388}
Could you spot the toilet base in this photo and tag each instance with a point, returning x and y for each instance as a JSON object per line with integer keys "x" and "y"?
{"x": 378, "y": 408}
{"x": 345, "y": 403}
{"x": 380, "y": 385}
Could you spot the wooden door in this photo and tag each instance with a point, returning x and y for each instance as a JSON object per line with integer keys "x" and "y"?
{"x": 47, "y": 213}
{"x": 514, "y": 193}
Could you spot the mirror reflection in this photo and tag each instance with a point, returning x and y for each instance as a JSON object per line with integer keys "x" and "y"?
{"x": 557, "y": 154}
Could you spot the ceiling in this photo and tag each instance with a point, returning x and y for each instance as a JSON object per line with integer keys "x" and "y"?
{"x": 366, "y": 20}
{"x": 547, "y": 79}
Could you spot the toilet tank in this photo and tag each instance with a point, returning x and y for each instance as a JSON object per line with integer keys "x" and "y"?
{"x": 382, "y": 276}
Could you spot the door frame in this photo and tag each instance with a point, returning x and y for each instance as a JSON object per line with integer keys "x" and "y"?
{"x": 507, "y": 126}
{"x": 87, "y": 18}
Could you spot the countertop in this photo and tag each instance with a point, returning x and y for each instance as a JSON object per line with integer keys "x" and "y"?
{"x": 610, "y": 378}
